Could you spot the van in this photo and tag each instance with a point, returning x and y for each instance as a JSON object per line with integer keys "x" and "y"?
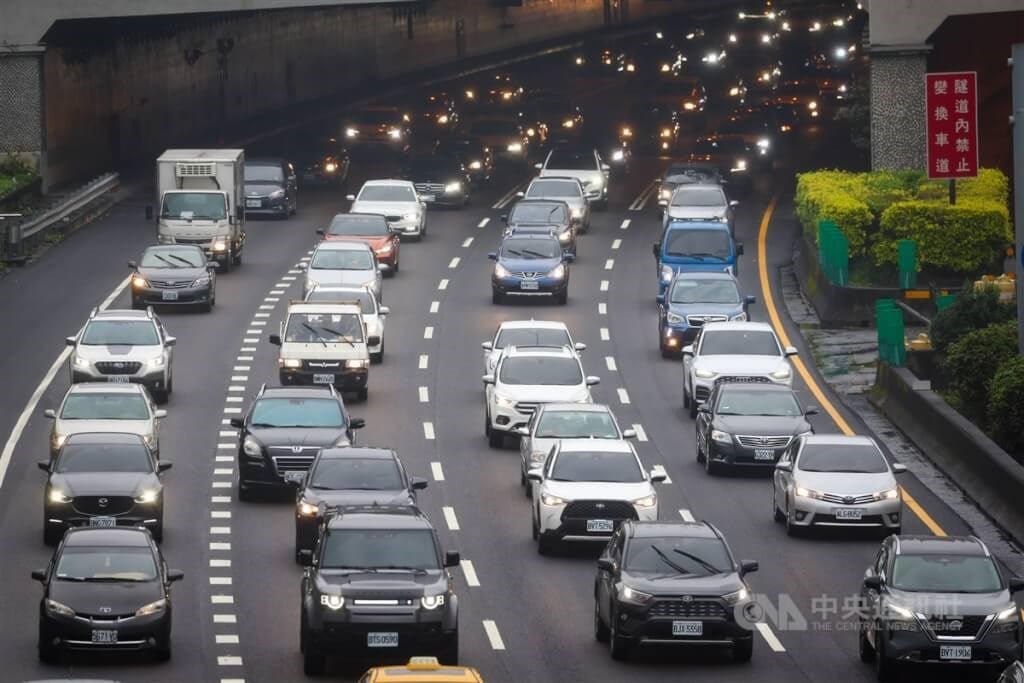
{"x": 695, "y": 245}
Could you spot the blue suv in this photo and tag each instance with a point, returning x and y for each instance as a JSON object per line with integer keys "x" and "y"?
{"x": 689, "y": 246}
{"x": 695, "y": 298}
{"x": 530, "y": 264}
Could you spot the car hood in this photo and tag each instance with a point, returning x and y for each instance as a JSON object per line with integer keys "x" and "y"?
{"x": 322, "y": 437}
{"x": 435, "y": 178}
{"x": 544, "y": 443}
{"x": 557, "y": 227}
{"x": 584, "y": 175}
{"x": 687, "y": 264}
{"x": 330, "y": 276}
{"x": 598, "y": 490}
{"x": 355, "y": 497}
{"x": 697, "y": 212}
{"x": 104, "y": 483}
{"x": 375, "y": 585}
{"x": 740, "y": 365}
{"x": 536, "y": 265}
{"x": 954, "y": 604}
{"x": 761, "y": 425}
{"x": 68, "y": 427}
{"x": 546, "y": 393}
{"x": 385, "y": 208}
{"x": 699, "y": 308}
{"x": 121, "y": 598}
{"x": 173, "y": 274}
{"x": 262, "y": 189}
{"x": 715, "y": 585}
{"x": 845, "y": 483}
{"x": 318, "y": 351}
{"x": 117, "y": 352}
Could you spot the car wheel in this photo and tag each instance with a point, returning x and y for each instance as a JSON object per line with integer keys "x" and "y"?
{"x": 791, "y": 529}
{"x": 245, "y": 493}
{"x": 363, "y": 394}
{"x": 496, "y": 439}
{"x": 743, "y": 650}
{"x": 48, "y": 654}
{"x": 883, "y": 665}
{"x": 206, "y": 307}
{"x": 162, "y": 652}
{"x": 378, "y": 356}
{"x": 395, "y": 268}
{"x": 693, "y": 408}
{"x": 665, "y": 353}
{"x": 617, "y": 645}
{"x": 894, "y": 531}
{"x": 225, "y": 265}
{"x": 496, "y": 297}
{"x": 776, "y": 512}
{"x": 237, "y": 258}
{"x": 686, "y": 396}
{"x": 544, "y": 544}
{"x": 533, "y": 524}
{"x": 601, "y": 631}
{"x": 710, "y": 466}
{"x": 864, "y": 649}
{"x": 700, "y": 451}
{"x": 487, "y": 423}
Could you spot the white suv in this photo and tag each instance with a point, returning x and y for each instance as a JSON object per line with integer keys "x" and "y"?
{"x": 397, "y": 201}
{"x": 739, "y": 351}
{"x": 527, "y": 376}
{"x": 587, "y": 488}
{"x": 374, "y": 315}
{"x": 527, "y": 333}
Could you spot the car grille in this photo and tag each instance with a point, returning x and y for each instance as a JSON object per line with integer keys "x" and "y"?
{"x": 698, "y": 320}
{"x": 702, "y": 393}
{"x": 111, "y": 505}
{"x": 764, "y": 441}
{"x": 664, "y": 607}
{"x": 527, "y": 275}
{"x": 293, "y": 463}
{"x": 170, "y": 284}
{"x": 599, "y": 509}
{"x": 432, "y": 188}
{"x": 970, "y": 626}
{"x": 527, "y": 407}
{"x": 118, "y": 367}
{"x": 188, "y": 240}
{"x": 392, "y": 219}
{"x": 847, "y": 500}
{"x": 321, "y": 365}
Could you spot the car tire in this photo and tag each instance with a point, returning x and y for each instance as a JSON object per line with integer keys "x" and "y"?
{"x": 497, "y": 297}
{"x": 686, "y": 396}
{"x": 487, "y": 423}
{"x": 618, "y": 646}
{"x": 563, "y": 298}
{"x": 496, "y": 439}
{"x": 363, "y": 393}
{"x": 394, "y": 270}
{"x": 693, "y": 408}
{"x": 743, "y": 649}
{"x": 378, "y": 356}
{"x": 895, "y": 531}
{"x": 534, "y": 527}
{"x": 711, "y": 468}
{"x": 601, "y": 631}
{"x": 776, "y": 512}
{"x": 314, "y": 665}
{"x": 791, "y": 529}
{"x": 206, "y": 307}
{"x": 162, "y": 652}
{"x": 52, "y": 534}
{"x": 864, "y": 648}
{"x": 665, "y": 353}
{"x": 245, "y": 493}
{"x": 883, "y": 665}
{"x": 48, "y": 654}
{"x": 237, "y": 258}
{"x": 544, "y": 544}
{"x": 227, "y": 263}
{"x": 696, "y": 445}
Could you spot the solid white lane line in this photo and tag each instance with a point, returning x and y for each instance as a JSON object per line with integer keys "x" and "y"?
{"x": 229, "y": 661}
{"x": 467, "y": 242}
{"x": 602, "y": 308}
{"x": 428, "y": 431}
{"x": 492, "y": 635}
{"x": 226, "y": 639}
{"x": 604, "y": 285}
{"x": 443, "y": 284}
{"x": 604, "y": 334}
{"x": 470, "y": 573}
{"x": 616, "y": 244}
{"x": 625, "y": 225}
{"x": 222, "y": 600}
{"x": 424, "y": 361}
{"x": 623, "y": 396}
{"x": 424, "y": 395}
{"x": 609, "y": 264}
{"x": 610, "y": 362}
{"x": 641, "y": 435}
{"x": 224, "y": 619}
{"x": 454, "y": 263}
{"x": 437, "y": 471}
{"x": 687, "y": 516}
{"x": 428, "y": 332}
{"x": 450, "y": 518}
{"x": 661, "y": 469}
{"x": 483, "y": 222}
{"x": 766, "y": 632}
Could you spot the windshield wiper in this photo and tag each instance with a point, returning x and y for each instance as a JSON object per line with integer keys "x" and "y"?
{"x": 347, "y": 568}
{"x": 705, "y": 255}
{"x": 699, "y": 257}
{"x": 318, "y": 335}
{"x": 668, "y": 561}
{"x": 710, "y": 567}
{"x": 158, "y": 256}
{"x": 536, "y": 254}
{"x": 415, "y": 570}
{"x": 512, "y": 252}
{"x": 338, "y": 336}
{"x": 187, "y": 263}
{"x": 264, "y": 425}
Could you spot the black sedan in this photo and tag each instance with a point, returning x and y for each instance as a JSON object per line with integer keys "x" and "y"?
{"x": 324, "y": 162}
{"x": 271, "y": 188}
{"x": 440, "y": 180}
{"x": 174, "y": 275}
{"x": 472, "y": 153}
{"x": 544, "y": 213}
{"x": 103, "y": 480}
{"x": 736, "y": 159}
{"x": 106, "y": 590}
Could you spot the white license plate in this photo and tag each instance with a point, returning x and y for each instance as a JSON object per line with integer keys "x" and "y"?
{"x": 687, "y": 628}
{"x": 849, "y": 513}
{"x": 599, "y": 525}
{"x": 381, "y": 640}
{"x": 427, "y": 197}
{"x": 323, "y": 379}
{"x": 170, "y": 296}
{"x": 252, "y": 203}
{"x": 295, "y": 477}
{"x": 118, "y": 379}
{"x": 109, "y": 636}
{"x": 102, "y": 521}
{"x": 954, "y": 651}
{"x": 529, "y": 284}
{"x": 764, "y": 454}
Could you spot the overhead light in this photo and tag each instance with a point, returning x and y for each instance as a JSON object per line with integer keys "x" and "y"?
{"x": 659, "y": 35}
{"x": 840, "y": 53}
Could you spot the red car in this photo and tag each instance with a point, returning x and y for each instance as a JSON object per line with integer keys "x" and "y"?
{"x": 371, "y": 228}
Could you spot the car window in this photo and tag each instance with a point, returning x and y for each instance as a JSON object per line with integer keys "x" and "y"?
{"x": 736, "y": 401}
{"x": 940, "y": 573}
{"x": 737, "y": 342}
{"x": 100, "y": 457}
{"x": 85, "y": 563}
{"x": 567, "y": 424}
{"x": 529, "y": 248}
{"x": 698, "y": 196}
{"x": 695, "y": 556}
{"x": 362, "y": 474}
{"x": 532, "y": 336}
{"x": 120, "y": 333}
{"x": 264, "y": 173}
{"x": 386, "y": 193}
{"x": 363, "y": 296}
{"x": 341, "y": 259}
{"x": 545, "y": 370}
{"x": 857, "y": 458}
{"x": 312, "y": 328}
{"x": 90, "y": 406}
{"x": 698, "y": 243}
{"x": 362, "y": 548}
{"x": 596, "y": 466}
{"x": 554, "y": 188}
{"x": 297, "y": 412}
{"x": 194, "y": 206}
{"x": 355, "y": 224}
{"x": 693, "y": 291}
{"x": 571, "y": 161}
{"x": 538, "y": 213}
{"x": 172, "y": 257}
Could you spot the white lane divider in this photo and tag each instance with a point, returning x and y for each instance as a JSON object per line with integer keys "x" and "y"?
{"x": 443, "y": 284}
{"x": 454, "y": 263}
{"x": 506, "y": 198}
{"x": 773, "y": 641}
{"x": 604, "y": 334}
{"x": 602, "y": 308}
{"x": 467, "y": 242}
{"x": 428, "y": 332}
{"x": 224, "y": 619}
{"x": 242, "y": 368}
{"x": 604, "y": 285}
{"x": 450, "y": 518}
{"x": 609, "y": 264}
{"x": 660, "y": 469}
{"x": 483, "y": 223}
{"x": 641, "y": 201}
{"x": 608, "y": 360}
{"x": 277, "y": 292}
{"x": 435, "y": 306}
{"x": 641, "y": 435}
{"x": 424, "y": 395}
{"x": 625, "y": 225}
{"x": 687, "y": 516}
{"x": 222, "y": 600}
{"x": 470, "y": 573}
{"x": 616, "y": 244}
{"x": 437, "y": 471}
{"x": 623, "y": 396}
{"x": 428, "y": 431}
{"x": 226, "y": 639}
{"x": 424, "y": 361}
{"x": 232, "y": 660}
{"x": 491, "y": 629}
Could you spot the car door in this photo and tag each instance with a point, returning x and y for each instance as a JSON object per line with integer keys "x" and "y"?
{"x": 688, "y": 362}
{"x": 781, "y": 478}
{"x": 704, "y": 421}
{"x": 871, "y": 599}
{"x": 526, "y": 442}
{"x": 605, "y": 584}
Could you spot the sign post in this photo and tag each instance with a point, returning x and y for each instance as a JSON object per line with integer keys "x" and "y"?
{"x": 951, "y": 124}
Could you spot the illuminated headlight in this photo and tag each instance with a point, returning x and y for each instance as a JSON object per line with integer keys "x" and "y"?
{"x": 734, "y": 91}
{"x": 627, "y": 132}
{"x": 538, "y": 456}
{"x": 558, "y": 272}
{"x": 618, "y": 155}
{"x": 531, "y": 132}
{"x": 503, "y": 402}
{"x": 666, "y": 132}
{"x": 901, "y": 614}
{"x": 740, "y": 317}
{"x": 711, "y": 58}
{"x": 782, "y": 373}
{"x": 812, "y": 105}
{"x": 666, "y": 273}
{"x": 739, "y": 596}
{"x": 802, "y": 492}
{"x": 219, "y": 245}
{"x": 334, "y": 602}
{"x": 665, "y": 193}
{"x": 475, "y": 165}
{"x": 58, "y": 608}
{"x": 201, "y": 281}
{"x": 452, "y": 188}
{"x": 785, "y": 26}
{"x": 721, "y": 437}
{"x": 276, "y": 194}
{"x": 330, "y": 167}
{"x": 251, "y": 447}
{"x": 577, "y": 213}
{"x": 58, "y": 496}
{"x": 816, "y": 26}
{"x": 501, "y": 271}
{"x": 888, "y": 494}
{"x": 307, "y": 509}
{"x": 394, "y": 134}
{"x": 631, "y": 68}
{"x": 842, "y": 88}
{"x": 568, "y": 123}
{"x": 689, "y": 106}
{"x": 674, "y": 318}
{"x": 154, "y": 607}
{"x": 289, "y": 362}
{"x": 838, "y": 22}
{"x": 785, "y": 128}
{"x": 357, "y": 363}
{"x": 579, "y": 61}
{"x": 646, "y": 502}
{"x": 765, "y": 38}
{"x": 81, "y": 362}
{"x": 351, "y": 132}
{"x": 628, "y": 594}
{"x": 764, "y": 143}
{"x": 515, "y": 147}
{"x": 139, "y": 281}
{"x": 432, "y": 601}
{"x": 552, "y": 501}
{"x": 442, "y": 119}
{"x": 741, "y": 165}
{"x": 565, "y": 237}
{"x": 157, "y": 362}
{"x": 704, "y": 373}
{"x": 732, "y": 37}
{"x": 147, "y": 496}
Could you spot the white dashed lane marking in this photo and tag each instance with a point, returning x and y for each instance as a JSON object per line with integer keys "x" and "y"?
{"x": 220, "y": 531}
{"x": 428, "y": 431}
{"x": 604, "y": 285}
{"x": 641, "y": 435}
{"x": 687, "y": 516}
{"x": 604, "y": 334}
{"x": 428, "y": 332}
{"x": 220, "y": 580}
{"x": 222, "y": 600}
{"x": 661, "y": 470}
{"x": 493, "y": 635}
{"x": 437, "y": 471}
{"x": 483, "y": 222}
{"x": 434, "y": 306}
{"x": 424, "y": 395}
{"x": 470, "y": 573}
{"x": 443, "y": 284}
{"x": 424, "y": 361}
{"x": 454, "y": 263}
{"x": 450, "y": 518}
{"x": 602, "y": 309}
{"x": 467, "y": 242}
{"x": 229, "y": 661}
{"x": 623, "y": 395}
{"x": 609, "y": 264}
{"x": 226, "y": 639}
{"x": 220, "y": 546}
{"x": 221, "y": 564}
{"x": 610, "y": 362}
{"x": 625, "y": 224}
{"x": 616, "y": 244}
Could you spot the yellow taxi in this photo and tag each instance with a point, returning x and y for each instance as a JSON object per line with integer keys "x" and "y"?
{"x": 422, "y": 670}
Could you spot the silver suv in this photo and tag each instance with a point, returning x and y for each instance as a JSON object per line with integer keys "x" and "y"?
{"x": 105, "y": 407}
{"x": 121, "y": 346}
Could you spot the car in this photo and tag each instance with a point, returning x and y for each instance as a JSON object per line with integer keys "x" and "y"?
{"x": 553, "y": 422}
{"x": 367, "y": 555}
{"x": 527, "y": 333}
{"x": 939, "y": 600}
{"x": 651, "y": 127}
{"x": 440, "y": 180}
{"x": 174, "y": 274}
{"x": 744, "y": 351}
{"x": 103, "y": 480}
{"x": 747, "y": 426}
{"x": 582, "y": 163}
{"x": 344, "y": 262}
{"x": 397, "y": 201}
{"x": 801, "y": 93}
{"x": 504, "y": 136}
{"x": 350, "y": 477}
{"x": 271, "y": 188}
{"x": 680, "y": 173}
{"x": 282, "y": 432}
{"x": 525, "y": 377}
{"x": 672, "y": 583}
{"x": 371, "y": 228}
{"x": 472, "y": 152}
{"x": 754, "y": 129}
{"x": 530, "y": 265}
{"x": 105, "y": 407}
{"x": 568, "y": 190}
{"x": 436, "y": 108}
{"x": 1013, "y": 673}
{"x": 688, "y": 246}
{"x": 836, "y": 480}
{"x": 323, "y": 161}
{"x": 732, "y": 154}
{"x": 543, "y": 213}
{"x": 684, "y": 94}
{"x": 106, "y": 590}
{"x": 701, "y": 201}
{"x": 374, "y": 314}
{"x": 692, "y": 299}
{"x": 422, "y": 670}
{"x": 119, "y": 346}
{"x": 378, "y": 127}
{"x": 586, "y": 488}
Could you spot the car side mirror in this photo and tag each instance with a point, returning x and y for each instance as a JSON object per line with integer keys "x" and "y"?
{"x": 174, "y": 575}
{"x": 321, "y": 231}
{"x": 493, "y": 255}
{"x": 520, "y": 194}
{"x": 452, "y": 558}
{"x": 628, "y": 433}
{"x": 656, "y": 249}
{"x": 687, "y": 350}
{"x": 170, "y": 341}
{"x": 357, "y": 423}
{"x": 657, "y": 476}
{"x": 275, "y": 339}
{"x": 384, "y": 310}
{"x": 504, "y": 218}
{"x": 44, "y": 465}
{"x": 487, "y": 346}
{"x": 605, "y": 564}
{"x": 488, "y": 379}
{"x": 149, "y": 213}
{"x": 734, "y": 203}
{"x": 306, "y": 558}
{"x": 791, "y": 351}
{"x": 40, "y": 575}
{"x": 580, "y": 347}
{"x": 418, "y": 484}
{"x": 133, "y": 265}
{"x": 538, "y": 166}
{"x": 350, "y": 197}
{"x": 568, "y": 257}
{"x": 784, "y": 466}
{"x": 660, "y": 298}
{"x": 750, "y": 299}
{"x": 213, "y": 265}
{"x": 592, "y": 380}
{"x": 237, "y": 422}
{"x": 50, "y": 413}
{"x": 1015, "y": 585}
{"x": 873, "y": 582}
{"x": 160, "y": 413}
{"x": 748, "y": 567}
{"x": 739, "y": 248}
{"x": 535, "y": 474}
{"x": 70, "y": 341}
{"x": 383, "y": 267}
{"x": 163, "y": 466}
{"x": 523, "y": 431}
{"x": 373, "y": 340}
{"x": 898, "y": 468}
{"x": 811, "y": 410}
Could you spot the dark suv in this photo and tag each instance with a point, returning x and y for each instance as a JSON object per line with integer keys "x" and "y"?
{"x": 938, "y": 599}
{"x": 377, "y": 585}
{"x": 284, "y": 431}
{"x": 673, "y": 583}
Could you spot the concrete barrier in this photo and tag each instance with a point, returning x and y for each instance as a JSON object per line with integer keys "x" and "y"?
{"x": 971, "y": 460}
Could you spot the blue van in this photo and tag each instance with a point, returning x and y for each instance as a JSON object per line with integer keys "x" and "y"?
{"x": 694, "y": 245}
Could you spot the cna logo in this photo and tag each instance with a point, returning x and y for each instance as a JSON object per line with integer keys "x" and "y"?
{"x": 783, "y": 614}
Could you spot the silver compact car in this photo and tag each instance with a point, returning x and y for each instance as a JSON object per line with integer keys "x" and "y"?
{"x": 104, "y": 407}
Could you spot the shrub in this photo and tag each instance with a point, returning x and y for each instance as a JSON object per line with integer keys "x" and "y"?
{"x": 834, "y": 196}
{"x": 990, "y": 185}
{"x": 972, "y": 361}
{"x": 1006, "y": 406}
{"x": 972, "y": 310}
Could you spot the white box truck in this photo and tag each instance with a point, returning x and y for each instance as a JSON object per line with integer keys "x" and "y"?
{"x": 200, "y": 200}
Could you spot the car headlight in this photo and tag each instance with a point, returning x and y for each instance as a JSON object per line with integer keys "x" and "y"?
{"x": 666, "y": 273}
{"x": 627, "y": 132}
{"x": 764, "y": 143}
{"x": 411, "y": 216}
{"x": 81, "y": 362}
{"x": 139, "y": 281}
{"x": 452, "y": 188}
{"x": 1007, "y": 621}
{"x": 551, "y": 501}
{"x": 568, "y": 123}
{"x": 334, "y": 602}
{"x": 646, "y": 502}
{"x": 515, "y": 147}
{"x": 782, "y": 373}
{"x": 276, "y": 194}
{"x": 538, "y": 456}
{"x": 201, "y": 281}
{"x": 666, "y": 132}
{"x": 558, "y": 272}
{"x": 357, "y": 363}
{"x": 689, "y": 106}
{"x": 59, "y": 439}
{"x": 577, "y": 213}
{"x": 432, "y": 601}
{"x": 351, "y": 132}
{"x": 812, "y": 105}
{"x": 58, "y": 496}
{"x": 394, "y": 134}
{"x": 147, "y": 496}
{"x": 503, "y": 402}
{"x": 721, "y": 437}
{"x": 900, "y": 613}
{"x": 741, "y": 165}
{"x": 803, "y": 492}
{"x": 674, "y": 318}
{"x": 219, "y": 244}
{"x": 330, "y": 167}
{"x": 742, "y": 595}
{"x": 289, "y": 362}
{"x": 665, "y": 192}
{"x": 618, "y": 155}
{"x": 565, "y": 237}
{"x": 154, "y": 607}
{"x": 157, "y": 362}
{"x": 252, "y": 447}
{"x": 888, "y": 494}
{"x": 307, "y": 509}
{"x": 501, "y": 271}
{"x": 475, "y": 165}
{"x": 58, "y": 608}
{"x": 442, "y": 119}
{"x": 628, "y": 594}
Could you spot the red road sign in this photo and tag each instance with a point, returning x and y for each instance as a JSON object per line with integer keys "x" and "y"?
{"x": 951, "y": 122}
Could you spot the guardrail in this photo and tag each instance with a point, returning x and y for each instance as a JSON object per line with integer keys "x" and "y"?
{"x": 20, "y": 236}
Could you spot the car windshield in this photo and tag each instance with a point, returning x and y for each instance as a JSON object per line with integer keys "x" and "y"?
{"x": 89, "y": 406}
{"x": 856, "y": 458}
{"x": 723, "y": 146}
{"x": 570, "y": 424}
{"x": 363, "y": 296}
{"x": 376, "y": 117}
{"x": 941, "y": 573}
{"x": 675, "y": 556}
{"x": 312, "y": 328}
{"x": 596, "y": 466}
{"x": 264, "y": 173}
{"x": 387, "y": 193}
{"x": 372, "y": 548}
{"x": 494, "y": 128}
{"x": 699, "y": 196}
{"x": 120, "y": 332}
{"x": 297, "y": 412}
{"x": 698, "y": 291}
{"x": 532, "y": 336}
{"x": 362, "y": 474}
{"x": 188, "y": 206}
{"x": 538, "y": 213}
{"x": 119, "y": 563}
{"x": 370, "y": 225}
{"x": 531, "y": 249}
{"x": 554, "y": 370}
{"x": 434, "y": 169}
{"x": 698, "y": 243}
{"x": 572, "y": 161}
{"x": 173, "y": 257}
{"x": 681, "y": 174}
{"x": 342, "y": 259}
{"x": 738, "y": 342}
{"x": 103, "y": 457}
{"x": 737, "y": 401}
{"x": 554, "y": 188}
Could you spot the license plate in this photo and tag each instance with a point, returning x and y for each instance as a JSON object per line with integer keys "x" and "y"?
{"x": 428, "y": 197}
{"x": 252, "y": 203}
{"x": 110, "y": 636}
{"x": 118, "y": 379}
{"x": 849, "y": 513}
{"x": 597, "y": 525}
{"x": 323, "y": 379}
{"x": 764, "y": 454}
{"x": 954, "y": 651}
{"x": 170, "y": 296}
{"x": 529, "y": 284}
{"x": 381, "y": 640}
{"x": 294, "y": 477}
{"x": 102, "y": 521}
{"x": 687, "y": 628}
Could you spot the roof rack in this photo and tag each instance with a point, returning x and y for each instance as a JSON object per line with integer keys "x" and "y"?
{"x": 94, "y": 311}
{"x": 262, "y": 390}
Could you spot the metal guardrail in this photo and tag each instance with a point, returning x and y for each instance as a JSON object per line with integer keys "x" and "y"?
{"x": 913, "y": 312}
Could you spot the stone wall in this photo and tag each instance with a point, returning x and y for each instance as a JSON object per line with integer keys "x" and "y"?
{"x": 21, "y": 102}
{"x": 897, "y": 110}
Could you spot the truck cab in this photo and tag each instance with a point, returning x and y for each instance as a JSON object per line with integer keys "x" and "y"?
{"x": 325, "y": 343}
{"x": 695, "y": 245}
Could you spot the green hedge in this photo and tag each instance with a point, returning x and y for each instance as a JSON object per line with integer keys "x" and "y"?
{"x": 972, "y": 310}
{"x": 1006, "y": 406}
{"x": 834, "y": 196}
{"x": 972, "y": 361}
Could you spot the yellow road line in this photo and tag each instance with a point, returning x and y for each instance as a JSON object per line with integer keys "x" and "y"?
{"x": 812, "y": 384}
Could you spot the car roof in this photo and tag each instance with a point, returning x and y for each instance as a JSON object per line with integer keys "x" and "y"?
{"x": 554, "y": 351}
{"x": 105, "y": 438}
{"x": 528, "y": 235}
{"x": 527, "y": 201}
{"x": 264, "y": 161}
{"x": 555, "y": 177}
{"x": 380, "y": 517}
{"x": 387, "y": 181}
{"x": 691, "y": 224}
{"x": 424, "y": 670}
{"x": 121, "y": 314}
{"x": 297, "y": 392}
{"x": 656, "y": 528}
{"x": 591, "y": 445}
{"x": 738, "y": 325}
{"x": 97, "y": 536}
{"x": 343, "y": 245}
{"x": 106, "y": 388}
{"x": 690, "y": 186}
{"x": 358, "y": 453}
{"x": 533, "y": 324}
{"x": 940, "y": 545}
{"x": 838, "y": 440}
{"x": 350, "y": 307}
{"x": 574, "y": 407}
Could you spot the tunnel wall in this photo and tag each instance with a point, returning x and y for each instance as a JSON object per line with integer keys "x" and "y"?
{"x": 140, "y": 94}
